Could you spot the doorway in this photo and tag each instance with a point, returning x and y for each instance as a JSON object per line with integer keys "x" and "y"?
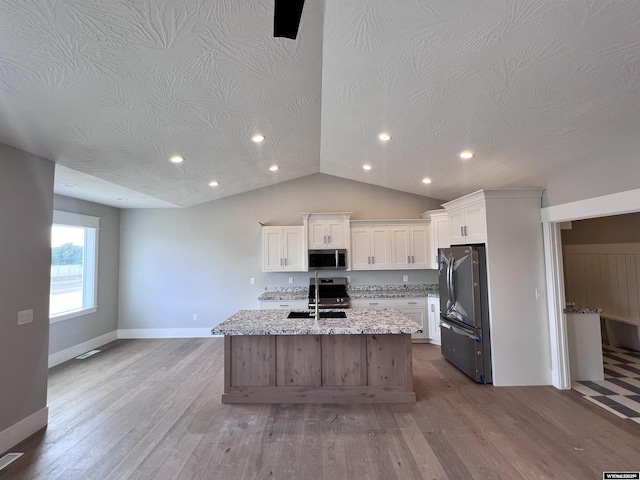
{"x": 552, "y": 218}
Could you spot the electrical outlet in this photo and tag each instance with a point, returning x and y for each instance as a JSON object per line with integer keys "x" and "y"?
{"x": 348, "y": 279}
{"x": 25, "y": 316}
{"x": 195, "y": 317}
{"x": 290, "y": 279}
{"x": 405, "y": 278}
{"x": 539, "y": 293}
{"x": 253, "y": 280}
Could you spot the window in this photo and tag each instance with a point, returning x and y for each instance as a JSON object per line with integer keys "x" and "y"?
{"x": 74, "y": 264}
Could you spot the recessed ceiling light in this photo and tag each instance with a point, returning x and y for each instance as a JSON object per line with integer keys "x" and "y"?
{"x": 213, "y": 184}
{"x": 122, "y": 199}
{"x": 366, "y": 166}
{"x": 426, "y": 180}
{"x": 70, "y": 185}
{"x": 257, "y": 138}
{"x": 466, "y": 154}
{"x": 385, "y": 137}
{"x": 273, "y": 168}
{"x": 176, "y": 159}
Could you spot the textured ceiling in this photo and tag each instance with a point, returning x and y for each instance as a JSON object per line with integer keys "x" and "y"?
{"x": 110, "y": 90}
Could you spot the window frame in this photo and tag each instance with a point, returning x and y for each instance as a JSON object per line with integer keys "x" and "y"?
{"x": 69, "y": 219}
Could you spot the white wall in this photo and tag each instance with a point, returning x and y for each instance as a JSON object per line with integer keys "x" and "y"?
{"x": 177, "y": 262}
{"x": 78, "y": 330}
{"x": 26, "y": 206}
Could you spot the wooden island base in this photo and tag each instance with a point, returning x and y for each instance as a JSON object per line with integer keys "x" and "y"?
{"x": 318, "y": 369}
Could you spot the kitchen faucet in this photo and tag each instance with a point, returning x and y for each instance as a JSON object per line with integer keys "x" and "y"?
{"x": 317, "y": 314}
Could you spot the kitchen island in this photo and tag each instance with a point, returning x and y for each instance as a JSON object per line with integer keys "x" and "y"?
{"x": 363, "y": 358}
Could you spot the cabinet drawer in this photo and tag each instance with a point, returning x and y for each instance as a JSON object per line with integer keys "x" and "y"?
{"x": 284, "y": 305}
{"x": 374, "y": 303}
{"x": 412, "y": 302}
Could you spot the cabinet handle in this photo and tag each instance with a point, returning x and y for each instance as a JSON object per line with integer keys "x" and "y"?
{"x": 462, "y": 231}
{"x": 328, "y": 238}
{"x": 284, "y": 305}
{"x": 285, "y": 261}
{"x": 412, "y": 303}
{"x": 413, "y": 259}
{"x": 281, "y": 262}
{"x": 408, "y": 258}
{"x": 373, "y": 260}
{"x": 373, "y": 303}
{"x": 433, "y": 307}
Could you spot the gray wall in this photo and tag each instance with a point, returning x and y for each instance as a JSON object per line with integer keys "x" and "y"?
{"x": 77, "y": 330}
{"x": 26, "y": 206}
{"x": 589, "y": 177}
{"x": 177, "y": 262}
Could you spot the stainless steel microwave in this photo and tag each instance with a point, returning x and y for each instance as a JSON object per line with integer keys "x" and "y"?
{"x": 333, "y": 259}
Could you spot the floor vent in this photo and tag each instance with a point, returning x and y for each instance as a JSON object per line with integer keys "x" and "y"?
{"x": 8, "y": 459}
{"x": 86, "y": 355}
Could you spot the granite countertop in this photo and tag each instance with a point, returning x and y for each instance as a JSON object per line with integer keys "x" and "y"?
{"x": 286, "y": 293}
{"x": 358, "y": 291}
{"x": 571, "y": 307}
{"x": 579, "y": 309}
{"x": 359, "y": 321}
{"x": 393, "y": 291}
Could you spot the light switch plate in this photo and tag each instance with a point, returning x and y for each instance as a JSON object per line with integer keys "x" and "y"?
{"x": 405, "y": 278}
{"x": 25, "y": 316}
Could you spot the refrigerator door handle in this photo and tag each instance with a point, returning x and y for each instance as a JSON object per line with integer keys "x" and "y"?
{"x": 452, "y": 292}
{"x": 459, "y": 331}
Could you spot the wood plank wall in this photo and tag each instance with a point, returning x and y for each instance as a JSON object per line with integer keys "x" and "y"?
{"x": 605, "y": 276}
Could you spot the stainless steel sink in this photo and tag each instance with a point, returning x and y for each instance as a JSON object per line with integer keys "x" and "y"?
{"x": 322, "y": 315}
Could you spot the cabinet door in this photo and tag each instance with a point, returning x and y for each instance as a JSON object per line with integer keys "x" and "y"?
{"x": 441, "y": 232}
{"x": 418, "y": 315}
{"x": 317, "y": 235}
{"x": 475, "y": 222}
{"x": 335, "y": 232}
{"x": 293, "y": 250}
{"x": 456, "y": 227}
{"x": 420, "y": 251}
{"x": 434, "y": 320}
{"x": 360, "y": 255}
{"x": 379, "y": 248}
{"x": 272, "y": 260}
{"x": 400, "y": 245}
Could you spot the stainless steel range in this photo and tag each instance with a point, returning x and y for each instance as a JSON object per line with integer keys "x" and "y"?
{"x": 332, "y": 293}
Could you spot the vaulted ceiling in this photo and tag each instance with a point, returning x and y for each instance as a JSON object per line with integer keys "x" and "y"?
{"x": 111, "y": 90}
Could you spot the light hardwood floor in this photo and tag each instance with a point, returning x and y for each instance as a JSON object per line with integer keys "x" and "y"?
{"x": 151, "y": 409}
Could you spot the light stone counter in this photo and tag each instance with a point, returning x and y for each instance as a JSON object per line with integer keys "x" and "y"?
{"x": 359, "y": 321}
{"x": 358, "y": 291}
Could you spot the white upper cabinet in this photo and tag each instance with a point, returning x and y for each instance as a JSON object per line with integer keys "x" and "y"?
{"x": 327, "y": 230}
{"x": 410, "y": 247}
{"x": 283, "y": 249}
{"x": 370, "y": 248}
{"x": 467, "y": 220}
{"x": 440, "y": 234}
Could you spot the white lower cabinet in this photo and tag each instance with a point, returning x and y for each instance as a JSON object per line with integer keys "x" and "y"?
{"x": 415, "y": 308}
{"x": 284, "y": 304}
{"x": 434, "y": 319}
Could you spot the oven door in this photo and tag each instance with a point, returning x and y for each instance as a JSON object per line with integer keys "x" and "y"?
{"x": 328, "y": 259}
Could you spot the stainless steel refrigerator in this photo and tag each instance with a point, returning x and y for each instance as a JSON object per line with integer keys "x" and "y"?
{"x": 464, "y": 310}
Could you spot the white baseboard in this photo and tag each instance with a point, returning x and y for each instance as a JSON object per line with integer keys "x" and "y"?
{"x": 72, "y": 352}
{"x": 15, "y": 434}
{"x": 164, "y": 333}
